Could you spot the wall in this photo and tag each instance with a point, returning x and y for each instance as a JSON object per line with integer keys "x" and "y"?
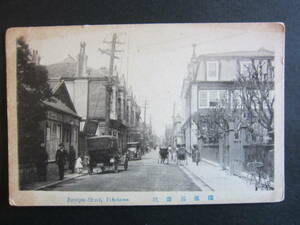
{"x": 227, "y": 69}
{"x": 210, "y": 152}
{"x": 97, "y": 99}
{"x": 78, "y": 90}
{"x": 194, "y": 98}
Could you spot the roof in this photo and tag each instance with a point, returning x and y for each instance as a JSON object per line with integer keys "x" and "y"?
{"x": 64, "y": 68}
{"x": 262, "y": 52}
{"x": 68, "y": 68}
{"x": 103, "y": 136}
{"x": 60, "y": 106}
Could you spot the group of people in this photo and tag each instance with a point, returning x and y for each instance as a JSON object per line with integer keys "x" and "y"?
{"x": 62, "y": 156}
{"x": 179, "y": 154}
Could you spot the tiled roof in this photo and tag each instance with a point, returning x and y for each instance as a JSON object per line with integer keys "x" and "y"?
{"x": 60, "y": 106}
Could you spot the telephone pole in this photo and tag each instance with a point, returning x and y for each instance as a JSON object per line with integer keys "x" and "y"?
{"x": 112, "y": 53}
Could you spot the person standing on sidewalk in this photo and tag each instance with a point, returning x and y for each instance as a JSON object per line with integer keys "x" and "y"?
{"x": 197, "y": 155}
{"x": 79, "y": 165}
{"x": 72, "y": 159}
{"x": 60, "y": 160}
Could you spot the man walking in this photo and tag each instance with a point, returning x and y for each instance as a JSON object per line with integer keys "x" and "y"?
{"x": 72, "y": 159}
{"x": 60, "y": 160}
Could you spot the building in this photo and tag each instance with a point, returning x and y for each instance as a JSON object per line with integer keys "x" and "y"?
{"x": 62, "y": 121}
{"x": 211, "y": 78}
{"x": 101, "y": 100}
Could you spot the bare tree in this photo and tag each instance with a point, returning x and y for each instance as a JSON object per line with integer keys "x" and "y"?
{"x": 256, "y": 86}
{"x": 214, "y": 122}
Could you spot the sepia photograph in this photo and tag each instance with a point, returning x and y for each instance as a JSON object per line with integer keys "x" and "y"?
{"x": 146, "y": 114}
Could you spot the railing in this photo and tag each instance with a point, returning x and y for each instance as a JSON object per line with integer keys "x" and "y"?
{"x": 257, "y": 176}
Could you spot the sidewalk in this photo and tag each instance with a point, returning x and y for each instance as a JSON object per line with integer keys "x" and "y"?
{"x": 216, "y": 178}
{"x": 53, "y": 180}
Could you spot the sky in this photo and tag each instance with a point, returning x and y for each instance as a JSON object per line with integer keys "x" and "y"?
{"x": 155, "y": 57}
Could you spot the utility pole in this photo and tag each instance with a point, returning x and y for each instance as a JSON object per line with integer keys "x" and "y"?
{"x": 112, "y": 53}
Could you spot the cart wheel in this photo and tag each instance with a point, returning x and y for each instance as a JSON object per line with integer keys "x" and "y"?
{"x": 126, "y": 165}
{"x": 116, "y": 168}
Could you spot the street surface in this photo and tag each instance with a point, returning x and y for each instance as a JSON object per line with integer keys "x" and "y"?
{"x": 142, "y": 175}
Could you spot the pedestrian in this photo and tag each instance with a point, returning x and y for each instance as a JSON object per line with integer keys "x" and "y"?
{"x": 194, "y": 148}
{"x": 197, "y": 155}
{"x": 41, "y": 163}
{"x": 177, "y": 153}
{"x": 170, "y": 153}
{"x": 60, "y": 160}
{"x": 72, "y": 159}
{"x": 78, "y": 165}
{"x": 186, "y": 153}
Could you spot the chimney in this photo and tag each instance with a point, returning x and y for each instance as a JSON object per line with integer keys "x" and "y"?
{"x": 82, "y": 61}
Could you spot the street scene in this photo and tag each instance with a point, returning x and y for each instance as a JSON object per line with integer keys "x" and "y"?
{"x": 113, "y": 110}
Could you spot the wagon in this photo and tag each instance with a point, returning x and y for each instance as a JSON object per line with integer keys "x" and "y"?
{"x": 105, "y": 154}
{"x": 134, "y": 150}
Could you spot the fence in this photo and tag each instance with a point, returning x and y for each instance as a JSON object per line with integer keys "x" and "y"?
{"x": 237, "y": 156}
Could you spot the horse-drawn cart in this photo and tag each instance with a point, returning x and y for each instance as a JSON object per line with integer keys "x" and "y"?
{"x": 164, "y": 153}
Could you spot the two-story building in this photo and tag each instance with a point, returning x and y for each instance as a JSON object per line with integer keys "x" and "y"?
{"x": 211, "y": 78}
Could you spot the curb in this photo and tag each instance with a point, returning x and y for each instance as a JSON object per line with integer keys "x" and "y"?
{"x": 57, "y": 182}
{"x": 200, "y": 182}
{"x": 210, "y": 162}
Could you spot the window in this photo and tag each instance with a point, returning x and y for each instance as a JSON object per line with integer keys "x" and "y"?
{"x": 48, "y": 133}
{"x": 58, "y": 133}
{"x": 213, "y": 98}
{"x": 202, "y": 99}
{"x": 223, "y": 96}
{"x": 54, "y": 130}
{"x": 236, "y": 100}
{"x": 212, "y": 71}
{"x": 75, "y": 134}
{"x": 244, "y": 67}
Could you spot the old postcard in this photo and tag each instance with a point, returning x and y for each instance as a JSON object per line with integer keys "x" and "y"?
{"x": 146, "y": 114}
